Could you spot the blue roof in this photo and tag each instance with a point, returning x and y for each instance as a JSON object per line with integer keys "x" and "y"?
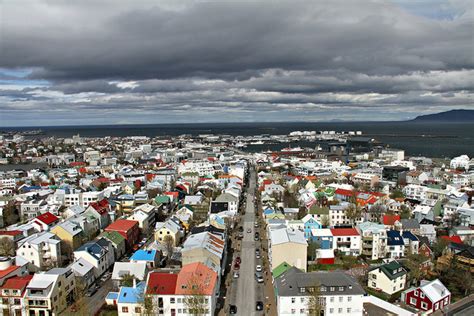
{"x": 131, "y": 295}
{"x": 93, "y": 248}
{"x": 394, "y": 238}
{"x": 112, "y": 296}
{"x": 268, "y": 211}
{"x": 409, "y": 235}
{"x": 144, "y": 255}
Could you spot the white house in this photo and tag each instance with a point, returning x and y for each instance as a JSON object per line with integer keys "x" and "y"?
{"x": 40, "y": 250}
{"x": 389, "y": 277}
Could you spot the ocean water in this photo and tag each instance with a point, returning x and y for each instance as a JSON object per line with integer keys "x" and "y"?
{"x": 416, "y": 138}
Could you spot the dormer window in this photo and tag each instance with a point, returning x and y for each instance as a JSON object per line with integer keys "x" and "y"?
{"x": 302, "y": 290}
{"x": 341, "y": 288}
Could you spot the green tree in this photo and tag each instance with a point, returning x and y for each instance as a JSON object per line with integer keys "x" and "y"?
{"x": 405, "y": 212}
{"x": 127, "y": 280}
{"x": 439, "y": 247}
{"x": 195, "y": 300}
{"x": 312, "y": 247}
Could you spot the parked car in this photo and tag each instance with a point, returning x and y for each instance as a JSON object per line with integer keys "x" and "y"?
{"x": 91, "y": 291}
{"x": 259, "y": 277}
{"x": 238, "y": 260}
{"x": 236, "y": 275}
{"x": 258, "y": 268}
{"x": 259, "y": 306}
{"x": 236, "y": 266}
{"x": 232, "y": 309}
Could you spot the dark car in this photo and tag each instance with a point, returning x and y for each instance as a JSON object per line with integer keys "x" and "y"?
{"x": 232, "y": 309}
{"x": 259, "y": 306}
{"x": 238, "y": 260}
{"x": 91, "y": 291}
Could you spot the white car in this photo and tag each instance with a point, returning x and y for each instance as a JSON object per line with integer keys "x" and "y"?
{"x": 236, "y": 275}
{"x": 258, "y": 268}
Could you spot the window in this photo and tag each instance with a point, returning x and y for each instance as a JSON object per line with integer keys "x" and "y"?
{"x": 424, "y": 305}
{"x": 436, "y": 306}
{"x": 341, "y": 299}
{"x": 349, "y": 298}
{"x": 293, "y": 311}
{"x": 339, "y": 310}
{"x": 302, "y": 311}
{"x": 416, "y": 293}
{"x": 331, "y": 299}
{"x": 323, "y": 289}
{"x": 331, "y": 311}
{"x": 172, "y": 300}
{"x": 138, "y": 310}
{"x": 341, "y": 288}
{"x": 348, "y": 310}
{"x": 293, "y": 300}
{"x": 422, "y": 295}
{"x": 179, "y": 300}
{"x": 124, "y": 309}
{"x": 413, "y": 301}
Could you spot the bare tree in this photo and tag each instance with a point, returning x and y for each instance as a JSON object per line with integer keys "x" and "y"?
{"x": 168, "y": 242}
{"x": 314, "y": 304}
{"x": 7, "y": 247}
{"x": 195, "y": 299}
{"x": 80, "y": 290}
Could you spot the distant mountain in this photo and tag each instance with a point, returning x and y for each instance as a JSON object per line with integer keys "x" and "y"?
{"x": 448, "y": 116}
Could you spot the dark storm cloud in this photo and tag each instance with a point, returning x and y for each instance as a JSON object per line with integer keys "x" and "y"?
{"x": 158, "y": 57}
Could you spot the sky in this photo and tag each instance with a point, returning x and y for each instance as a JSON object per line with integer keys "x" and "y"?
{"x": 93, "y": 62}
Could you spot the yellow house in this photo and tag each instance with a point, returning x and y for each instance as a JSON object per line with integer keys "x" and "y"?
{"x": 168, "y": 228}
{"x": 70, "y": 233}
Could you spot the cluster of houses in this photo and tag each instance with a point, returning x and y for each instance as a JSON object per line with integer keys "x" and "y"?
{"x": 152, "y": 220}
{"x": 380, "y": 218}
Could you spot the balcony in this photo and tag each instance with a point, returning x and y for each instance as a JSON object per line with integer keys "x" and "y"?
{"x": 343, "y": 243}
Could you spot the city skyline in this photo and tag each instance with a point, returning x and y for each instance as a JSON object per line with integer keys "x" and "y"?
{"x": 93, "y": 63}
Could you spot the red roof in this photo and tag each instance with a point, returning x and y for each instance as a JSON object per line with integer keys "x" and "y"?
{"x": 390, "y": 219}
{"x": 17, "y": 283}
{"x": 10, "y": 232}
{"x": 344, "y": 232}
{"x": 7, "y": 271}
{"x": 344, "y": 192}
{"x": 100, "y": 206}
{"x": 160, "y": 283}
{"x": 77, "y": 163}
{"x": 454, "y": 238}
{"x": 122, "y": 225}
{"x": 47, "y": 218}
{"x": 267, "y": 182}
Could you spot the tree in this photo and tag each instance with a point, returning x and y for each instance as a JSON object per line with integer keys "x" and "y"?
{"x": 312, "y": 247}
{"x": 80, "y": 290}
{"x": 325, "y": 222}
{"x": 377, "y": 211}
{"x": 413, "y": 263}
{"x": 439, "y": 247}
{"x": 148, "y": 306}
{"x": 127, "y": 280}
{"x": 7, "y": 247}
{"x": 405, "y": 212}
{"x": 168, "y": 242}
{"x": 194, "y": 299}
{"x": 353, "y": 212}
{"x": 397, "y": 193}
{"x": 314, "y": 304}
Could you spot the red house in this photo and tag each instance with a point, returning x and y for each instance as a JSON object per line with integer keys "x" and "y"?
{"x": 429, "y": 297}
{"x": 127, "y": 228}
{"x": 45, "y": 222}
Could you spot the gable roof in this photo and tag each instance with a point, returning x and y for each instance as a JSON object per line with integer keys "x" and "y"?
{"x": 434, "y": 290}
{"x": 392, "y": 270}
{"x": 390, "y": 220}
{"x": 196, "y": 277}
{"x": 161, "y": 283}
{"x": 280, "y": 269}
{"x": 394, "y": 238}
{"x": 344, "y": 232}
{"x": 47, "y": 218}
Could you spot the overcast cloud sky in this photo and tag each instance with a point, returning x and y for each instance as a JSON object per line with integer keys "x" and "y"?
{"x": 117, "y": 62}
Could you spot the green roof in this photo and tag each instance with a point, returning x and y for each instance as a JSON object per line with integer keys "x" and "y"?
{"x": 319, "y": 210}
{"x": 437, "y": 208}
{"x": 162, "y": 199}
{"x": 392, "y": 270}
{"x": 280, "y": 269}
{"x": 114, "y": 237}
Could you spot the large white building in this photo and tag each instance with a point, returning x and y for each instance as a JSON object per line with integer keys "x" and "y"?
{"x": 460, "y": 162}
{"x": 415, "y": 192}
{"x": 49, "y": 293}
{"x": 339, "y": 293}
{"x": 99, "y": 253}
{"x": 40, "y": 250}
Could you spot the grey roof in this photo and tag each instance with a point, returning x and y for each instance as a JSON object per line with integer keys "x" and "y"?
{"x": 290, "y": 282}
{"x": 410, "y": 223}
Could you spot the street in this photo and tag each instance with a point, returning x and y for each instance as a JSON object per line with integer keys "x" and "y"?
{"x": 245, "y": 290}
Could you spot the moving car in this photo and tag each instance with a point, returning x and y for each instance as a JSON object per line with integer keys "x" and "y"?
{"x": 249, "y": 230}
{"x": 259, "y": 306}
